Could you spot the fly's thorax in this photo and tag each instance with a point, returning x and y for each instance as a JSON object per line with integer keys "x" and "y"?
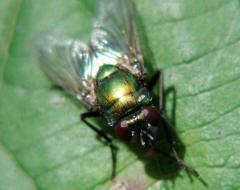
{"x": 119, "y": 93}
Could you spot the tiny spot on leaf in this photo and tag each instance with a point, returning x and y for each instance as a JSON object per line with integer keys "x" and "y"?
{"x": 57, "y": 100}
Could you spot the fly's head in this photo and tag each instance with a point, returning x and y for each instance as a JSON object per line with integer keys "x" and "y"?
{"x": 140, "y": 128}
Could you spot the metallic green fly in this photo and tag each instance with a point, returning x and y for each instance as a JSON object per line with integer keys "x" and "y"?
{"x": 108, "y": 76}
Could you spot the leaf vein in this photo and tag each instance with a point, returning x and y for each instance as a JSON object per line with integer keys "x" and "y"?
{"x": 208, "y": 89}
{"x": 209, "y": 52}
{"x": 10, "y": 41}
{"x": 36, "y": 141}
{"x": 206, "y": 124}
{"x": 18, "y": 164}
{"x": 74, "y": 158}
{"x": 213, "y": 139}
{"x": 184, "y": 18}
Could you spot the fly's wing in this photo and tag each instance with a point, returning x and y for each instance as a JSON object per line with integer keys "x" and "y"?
{"x": 115, "y": 39}
{"x": 66, "y": 61}
{"x": 74, "y": 65}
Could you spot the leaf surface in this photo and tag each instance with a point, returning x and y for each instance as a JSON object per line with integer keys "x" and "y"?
{"x": 44, "y": 145}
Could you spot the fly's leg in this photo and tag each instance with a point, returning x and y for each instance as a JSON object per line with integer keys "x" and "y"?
{"x": 108, "y": 140}
{"x": 167, "y": 125}
{"x": 158, "y": 76}
{"x": 56, "y": 87}
{"x": 153, "y": 80}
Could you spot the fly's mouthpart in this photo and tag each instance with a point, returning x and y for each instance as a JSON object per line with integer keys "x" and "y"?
{"x": 145, "y": 137}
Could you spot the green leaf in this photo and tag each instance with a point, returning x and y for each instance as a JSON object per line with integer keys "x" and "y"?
{"x": 44, "y": 145}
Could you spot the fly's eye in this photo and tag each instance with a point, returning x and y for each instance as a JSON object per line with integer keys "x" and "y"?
{"x": 151, "y": 114}
{"x": 122, "y": 131}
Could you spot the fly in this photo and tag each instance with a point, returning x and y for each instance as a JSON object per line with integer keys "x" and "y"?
{"x": 108, "y": 76}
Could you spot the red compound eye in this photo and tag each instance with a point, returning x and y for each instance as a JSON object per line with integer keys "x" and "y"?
{"x": 122, "y": 131}
{"x": 151, "y": 114}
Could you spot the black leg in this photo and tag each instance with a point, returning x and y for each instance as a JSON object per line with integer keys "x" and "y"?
{"x": 159, "y": 76}
{"x": 163, "y": 115}
{"x": 175, "y": 157}
{"x": 153, "y": 80}
{"x": 167, "y": 125}
{"x": 56, "y": 87}
{"x": 103, "y": 135}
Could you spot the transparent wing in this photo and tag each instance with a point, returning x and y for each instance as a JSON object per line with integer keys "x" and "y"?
{"x": 67, "y": 62}
{"x": 74, "y": 65}
{"x": 115, "y": 39}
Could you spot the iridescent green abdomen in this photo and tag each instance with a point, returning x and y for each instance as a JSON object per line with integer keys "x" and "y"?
{"x": 119, "y": 92}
